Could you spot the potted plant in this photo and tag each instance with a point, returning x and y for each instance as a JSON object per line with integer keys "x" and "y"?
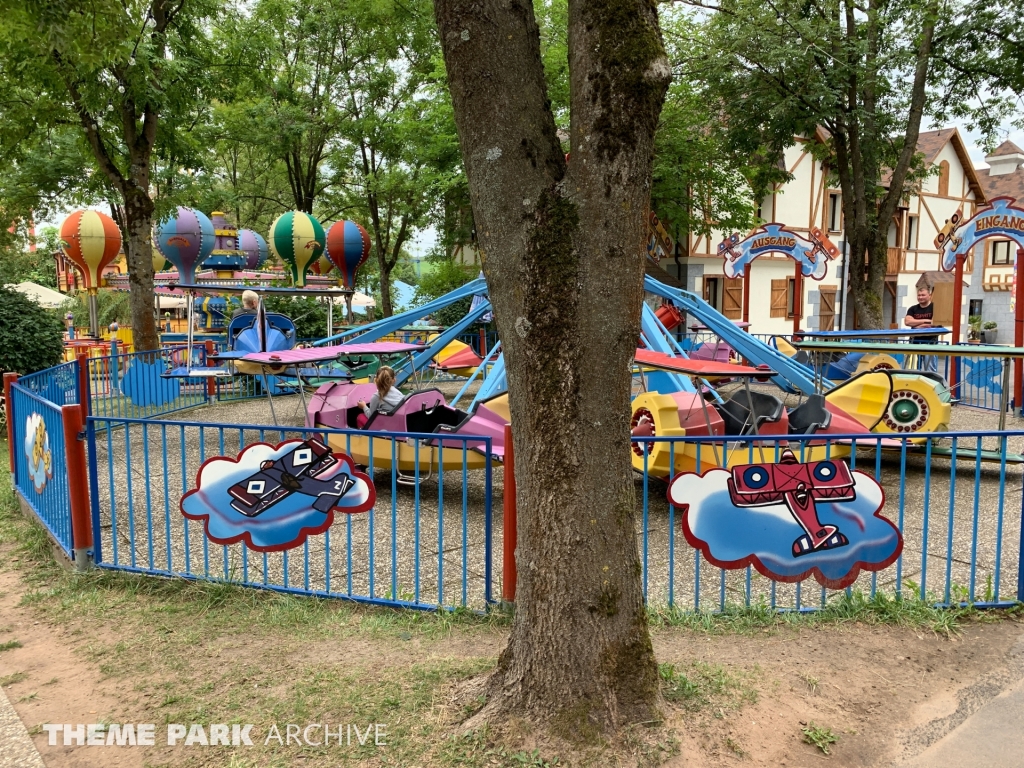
{"x": 989, "y": 332}
{"x": 974, "y": 328}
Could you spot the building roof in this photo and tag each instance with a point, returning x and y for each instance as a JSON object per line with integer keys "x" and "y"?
{"x": 661, "y": 275}
{"x": 931, "y": 143}
{"x": 1004, "y": 184}
{"x": 1007, "y": 148}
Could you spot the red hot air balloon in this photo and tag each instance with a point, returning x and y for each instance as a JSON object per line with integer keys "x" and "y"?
{"x": 348, "y": 246}
{"x": 91, "y": 240}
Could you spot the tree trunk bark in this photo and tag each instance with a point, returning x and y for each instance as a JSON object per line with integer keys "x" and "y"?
{"x": 138, "y": 213}
{"x": 385, "y": 289}
{"x": 564, "y": 254}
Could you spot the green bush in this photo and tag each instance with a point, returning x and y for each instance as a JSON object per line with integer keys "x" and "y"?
{"x": 31, "y": 338}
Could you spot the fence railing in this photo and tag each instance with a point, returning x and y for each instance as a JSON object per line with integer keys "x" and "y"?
{"x": 426, "y": 542}
{"x": 955, "y": 499}
{"x": 960, "y": 521}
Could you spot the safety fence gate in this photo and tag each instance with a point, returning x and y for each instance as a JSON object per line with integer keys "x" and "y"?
{"x": 789, "y": 522}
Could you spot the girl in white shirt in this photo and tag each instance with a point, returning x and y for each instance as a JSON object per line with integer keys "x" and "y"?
{"x": 388, "y": 395}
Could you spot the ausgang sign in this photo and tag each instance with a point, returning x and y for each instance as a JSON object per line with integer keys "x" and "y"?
{"x": 811, "y": 254}
{"x": 1002, "y": 218}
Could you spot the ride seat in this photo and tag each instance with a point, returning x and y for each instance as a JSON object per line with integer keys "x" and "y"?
{"x": 744, "y": 413}
{"x": 810, "y": 416}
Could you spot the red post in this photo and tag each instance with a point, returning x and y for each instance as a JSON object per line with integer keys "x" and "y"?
{"x": 798, "y": 297}
{"x": 958, "y": 300}
{"x": 83, "y": 383}
{"x": 1018, "y": 330}
{"x": 211, "y": 384}
{"x": 78, "y": 484}
{"x": 509, "y": 530}
{"x": 483, "y": 342}
{"x": 9, "y": 379}
{"x": 746, "y": 296}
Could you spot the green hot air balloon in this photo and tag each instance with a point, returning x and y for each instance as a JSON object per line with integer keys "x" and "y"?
{"x": 298, "y": 239}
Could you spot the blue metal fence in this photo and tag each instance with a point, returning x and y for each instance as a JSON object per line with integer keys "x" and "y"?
{"x": 426, "y": 543}
{"x": 40, "y": 465}
{"x": 960, "y": 521}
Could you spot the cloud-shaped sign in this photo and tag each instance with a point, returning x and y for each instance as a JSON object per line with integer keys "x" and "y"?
{"x": 789, "y": 520}
{"x": 274, "y": 497}
{"x": 37, "y": 450}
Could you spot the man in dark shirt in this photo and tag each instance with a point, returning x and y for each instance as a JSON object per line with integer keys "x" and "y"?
{"x": 920, "y": 316}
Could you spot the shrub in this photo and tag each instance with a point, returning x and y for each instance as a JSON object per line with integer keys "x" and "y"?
{"x": 31, "y": 338}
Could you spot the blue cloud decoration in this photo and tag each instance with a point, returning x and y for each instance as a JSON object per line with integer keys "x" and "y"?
{"x": 789, "y": 520}
{"x": 274, "y": 497}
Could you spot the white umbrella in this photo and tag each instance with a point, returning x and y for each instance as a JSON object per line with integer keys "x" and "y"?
{"x": 40, "y": 294}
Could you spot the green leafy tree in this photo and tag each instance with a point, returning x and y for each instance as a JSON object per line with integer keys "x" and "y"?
{"x": 31, "y": 338}
{"x": 868, "y": 72}
{"x": 96, "y": 98}
{"x": 445, "y": 277}
{"x": 111, "y": 307}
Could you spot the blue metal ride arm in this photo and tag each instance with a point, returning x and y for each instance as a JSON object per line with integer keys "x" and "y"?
{"x": 421, "y": 359}
{"x": 657, "y": 338}
{"x": 481, "y": 372}
{"x": 373, "y": 331}
{"x": 495, "y": 383}
{"x": 790, "y": 375}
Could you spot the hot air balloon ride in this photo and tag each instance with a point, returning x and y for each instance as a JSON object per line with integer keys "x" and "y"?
{"x": 298, "y": 240}
{"x": 186, "y": 239}
{"x": 254, "y": 247}
{"x": 348, "y": 246}
{"x": 91, "y": 241}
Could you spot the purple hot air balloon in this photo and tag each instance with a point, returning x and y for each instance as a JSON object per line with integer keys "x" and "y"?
{"x": 254, "y": 246}
{"x": 348, "y": 246}
{"x": 186, "y": 239}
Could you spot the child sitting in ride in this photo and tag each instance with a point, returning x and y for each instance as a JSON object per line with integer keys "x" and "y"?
{"x": 387, "y": 395}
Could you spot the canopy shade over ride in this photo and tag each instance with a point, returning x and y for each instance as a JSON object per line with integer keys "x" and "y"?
{"x": 893, "y": 333}
{"x": 706, "y": 369}
{"x": 939, "y": 350}
{"x": 322, "y": 354}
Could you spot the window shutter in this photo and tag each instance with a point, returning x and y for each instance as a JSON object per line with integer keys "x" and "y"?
{"x": 827, "y": 314}
{"x": 733, "y": 303}
{"x": 780, "y": 298}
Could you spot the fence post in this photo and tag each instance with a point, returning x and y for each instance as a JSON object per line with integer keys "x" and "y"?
{"x": 84, "y": 394}
{"x": 509, "y": 530}
{"x": 211, "y": 383}
{"x": 483, "y": 342}
{"x": 9, "y": 379}
{"x": 78, "y": 484}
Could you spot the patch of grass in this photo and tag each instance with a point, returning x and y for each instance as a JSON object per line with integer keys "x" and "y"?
{"x": 478, "y": 749}
{"x": 856, "y": 607}
{"x": 17, "y": 677}
{"x": 10, "y": 645}
{"x": 706, "y": 686}
{"x": 732, "y": 745}
{"x": 819, "y": 737}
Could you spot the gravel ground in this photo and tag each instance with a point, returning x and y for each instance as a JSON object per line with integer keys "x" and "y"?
{"x": 380, "y": 553}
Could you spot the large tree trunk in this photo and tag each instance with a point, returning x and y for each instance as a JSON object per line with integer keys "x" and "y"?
{"x": 138, "y": 213}
{"x": 564, "y": 253}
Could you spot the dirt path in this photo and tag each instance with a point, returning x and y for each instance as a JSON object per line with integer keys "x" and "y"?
{"x": 885, "y": 692}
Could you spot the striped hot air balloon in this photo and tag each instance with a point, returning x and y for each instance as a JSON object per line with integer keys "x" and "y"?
{"x": 298, "y": 240}
{"x": 348, "y": 246}
{"x": 254, "y": 247}
{"x": 186, "y": 240}
{"x": 160, "y": 264}
{"x": 91, "y": 240}
{"x": 322, "y": 266}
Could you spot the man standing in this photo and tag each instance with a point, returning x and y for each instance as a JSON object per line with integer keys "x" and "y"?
{"x": 920, "y": 316}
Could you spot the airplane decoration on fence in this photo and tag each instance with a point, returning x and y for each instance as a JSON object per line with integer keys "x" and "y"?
{"x": 789, "y": 520}
{"x": 274, "y": 497}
